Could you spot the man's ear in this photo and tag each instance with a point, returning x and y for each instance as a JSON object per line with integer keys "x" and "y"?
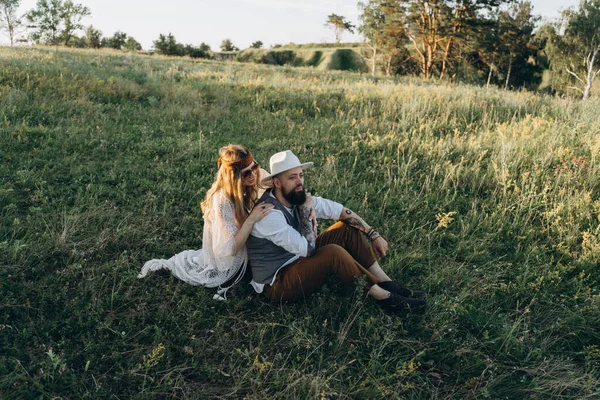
{"x": 277, "y": 183}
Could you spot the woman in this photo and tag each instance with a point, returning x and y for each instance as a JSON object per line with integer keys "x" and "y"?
{"x": 228, "y": 220}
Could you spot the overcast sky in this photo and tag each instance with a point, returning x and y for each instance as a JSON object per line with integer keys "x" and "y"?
{"x": 243, "y": 21}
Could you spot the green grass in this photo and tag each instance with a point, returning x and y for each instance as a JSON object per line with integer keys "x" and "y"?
{"x": 105, "y": 157}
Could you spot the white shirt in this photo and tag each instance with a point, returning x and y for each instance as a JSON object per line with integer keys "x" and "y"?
{"x": 275, "y": 228}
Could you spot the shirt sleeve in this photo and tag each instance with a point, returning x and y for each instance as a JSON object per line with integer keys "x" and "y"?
{"x": 275, "y": 228}
{"x": 263, "y": 186}
{"x": 262, "y": 174}
{"x": 224, "y": 228}
{"x": 326, "y": 208}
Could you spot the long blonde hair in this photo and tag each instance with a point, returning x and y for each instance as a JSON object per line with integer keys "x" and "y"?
{"x": 229, "y": 181}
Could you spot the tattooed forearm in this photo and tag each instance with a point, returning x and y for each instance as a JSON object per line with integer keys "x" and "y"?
{"x": 349, "y": 217}
{"x": 306, "y": 229}
{"x": 356, "y": 223}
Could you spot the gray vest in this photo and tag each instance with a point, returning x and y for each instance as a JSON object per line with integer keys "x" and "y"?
{"x": 264, "y": 256}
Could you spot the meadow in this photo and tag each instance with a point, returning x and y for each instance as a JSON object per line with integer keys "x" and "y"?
{"x": 490, "y": 200}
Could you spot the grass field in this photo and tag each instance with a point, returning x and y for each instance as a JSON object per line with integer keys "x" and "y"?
{"x": 490, "y": 200}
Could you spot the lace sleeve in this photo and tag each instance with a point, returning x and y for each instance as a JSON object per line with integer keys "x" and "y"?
{"x": 215, "y": 263}
{"x": 224, "y": 228}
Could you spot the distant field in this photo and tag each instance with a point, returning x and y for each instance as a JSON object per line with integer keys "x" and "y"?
{"x": 490, "y": 200}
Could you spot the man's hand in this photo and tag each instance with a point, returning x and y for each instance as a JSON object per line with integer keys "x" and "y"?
{"x": 380, "y": 247}
{"x": 313, "y": 218}
{"x": 308, "y": 224}
{"x": 309, "y": 202}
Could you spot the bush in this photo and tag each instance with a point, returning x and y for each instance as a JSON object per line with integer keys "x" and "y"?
{"x": 279, "y": 58}
{"x": 202, "y": 51}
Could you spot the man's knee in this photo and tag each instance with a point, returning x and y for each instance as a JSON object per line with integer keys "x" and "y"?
{"x": 342, "y": 228}
{"x": 332, "y": 249}
{"x": 335, "y": 252}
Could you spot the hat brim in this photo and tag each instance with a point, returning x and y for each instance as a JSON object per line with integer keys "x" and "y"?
{"x": 269, "y": 178}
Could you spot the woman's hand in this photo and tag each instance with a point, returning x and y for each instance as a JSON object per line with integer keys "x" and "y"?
{"x": 259, "y": 212}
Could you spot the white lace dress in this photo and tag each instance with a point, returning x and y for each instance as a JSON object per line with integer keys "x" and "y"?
{"x": 216, "y": 262}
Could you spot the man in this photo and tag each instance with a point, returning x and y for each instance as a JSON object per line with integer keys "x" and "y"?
{"x": 289, "y": 260}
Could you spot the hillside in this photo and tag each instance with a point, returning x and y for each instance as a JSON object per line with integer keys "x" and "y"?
{"x": 490, "y": 201}
{"x": 322, "y": 59}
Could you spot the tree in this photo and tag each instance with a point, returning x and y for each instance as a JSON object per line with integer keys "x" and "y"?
{"x": 339, "y": 25}
{"x": 78, "y": 42}
{"x": 373, "y": 19}
{"x": 256, "y": 45}
{"x": 204, "y": 47}
{"x": 132, "y": 45}
{"x": 516, "y": 26}
{"x": 55, "y": 22}
{"x": 116, "y": 41}
{"x": 438, "y": 29}
{"x": 93, "y": 37}
{"x": 168, "y": 46}
{"x": 384, "y": 30}
{"x": 46, "y": 20}
{"x": 540, "y": 40}
{"x": 576, "y": 53}
{"x": 459, "y": 20}
{"x": 9, "y": 19}
{"x": 227, "y": 45}
{"x": 202, "y": 51}
{"x": 441, "y": 31}
{"x": 72, "y": 14}
{"x": 504, "y": 42}
{"x": 487, "y": 45}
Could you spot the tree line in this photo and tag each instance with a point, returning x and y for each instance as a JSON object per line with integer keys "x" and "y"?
{"x": 57, "y": 22}
{"x": 489, "y": 42}
{"x": 483, "y": 41}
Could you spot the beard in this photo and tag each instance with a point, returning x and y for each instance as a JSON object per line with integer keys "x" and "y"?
{"x": 295, "y": 198}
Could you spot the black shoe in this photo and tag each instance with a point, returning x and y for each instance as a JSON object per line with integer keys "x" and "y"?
{"x": 393, "y": 287}
{"x": 398, "y": 303}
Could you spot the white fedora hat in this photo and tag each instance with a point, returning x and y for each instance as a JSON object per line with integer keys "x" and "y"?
{"x": 284, "y": 161}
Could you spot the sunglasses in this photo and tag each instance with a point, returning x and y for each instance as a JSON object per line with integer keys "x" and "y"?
{"x": 247, "y": 173}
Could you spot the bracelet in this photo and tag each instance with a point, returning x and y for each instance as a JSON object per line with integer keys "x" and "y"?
{"x": 373, "y": 234}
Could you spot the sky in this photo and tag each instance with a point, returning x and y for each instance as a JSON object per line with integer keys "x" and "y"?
{"x": 242, "y": 21}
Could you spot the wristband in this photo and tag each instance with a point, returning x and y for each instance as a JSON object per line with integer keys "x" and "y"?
{"x": 373, "y": 234}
